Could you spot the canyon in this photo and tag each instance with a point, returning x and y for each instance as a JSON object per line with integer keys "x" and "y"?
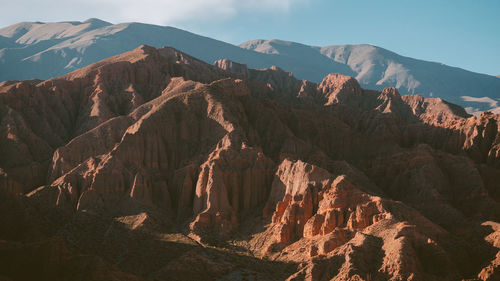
{"x": 154, "y": 165}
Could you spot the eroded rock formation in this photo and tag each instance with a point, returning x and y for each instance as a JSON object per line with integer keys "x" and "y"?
{"x": 347, "y": 183}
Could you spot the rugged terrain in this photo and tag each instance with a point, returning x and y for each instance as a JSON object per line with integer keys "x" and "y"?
{"x": 40, "y": 50}
{"x": 153, "y": 165}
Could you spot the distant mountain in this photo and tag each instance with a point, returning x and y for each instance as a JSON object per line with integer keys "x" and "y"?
{"x": 377, "y": 68}
{"x": 44, "y": 50}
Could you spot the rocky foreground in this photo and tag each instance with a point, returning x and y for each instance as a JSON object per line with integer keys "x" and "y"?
{"x": 153, "y": 165}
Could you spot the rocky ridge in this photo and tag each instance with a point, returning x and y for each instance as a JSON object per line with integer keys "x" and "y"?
{"x": 45, "y": 50}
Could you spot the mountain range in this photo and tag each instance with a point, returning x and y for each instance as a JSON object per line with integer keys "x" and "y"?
{"x": 36, "y": 50}
{"x": 154, "y": 165}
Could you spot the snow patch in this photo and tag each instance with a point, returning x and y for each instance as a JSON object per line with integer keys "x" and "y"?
{"x": 490, "y": 101}
{"x": 473, "y": 110}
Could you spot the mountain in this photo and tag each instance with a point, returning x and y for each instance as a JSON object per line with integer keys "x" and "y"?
{"x": 376, "y": 68}
{"x": 43, "y": 50}
{"x": 156, "y": 165}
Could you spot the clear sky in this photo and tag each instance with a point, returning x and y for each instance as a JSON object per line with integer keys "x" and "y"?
{"x": 462, "y": 33}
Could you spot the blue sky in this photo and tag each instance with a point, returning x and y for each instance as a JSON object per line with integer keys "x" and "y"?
{"x": 462, "y": 33}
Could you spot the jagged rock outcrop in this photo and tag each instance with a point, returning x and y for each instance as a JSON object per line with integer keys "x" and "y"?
{"x": 318, "y": 219}
{"x": 235, "y": 178}
{"x": 351, "y": 184}
{"x": 434, "y": 111}
{"x": 339, "y": 88}
{"x": 233, "y": 67}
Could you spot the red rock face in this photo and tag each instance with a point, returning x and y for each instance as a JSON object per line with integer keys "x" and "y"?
{"x": 233, "y": 67}
{"x": 338, "y": 88}
{"x": 350, "y": 184}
